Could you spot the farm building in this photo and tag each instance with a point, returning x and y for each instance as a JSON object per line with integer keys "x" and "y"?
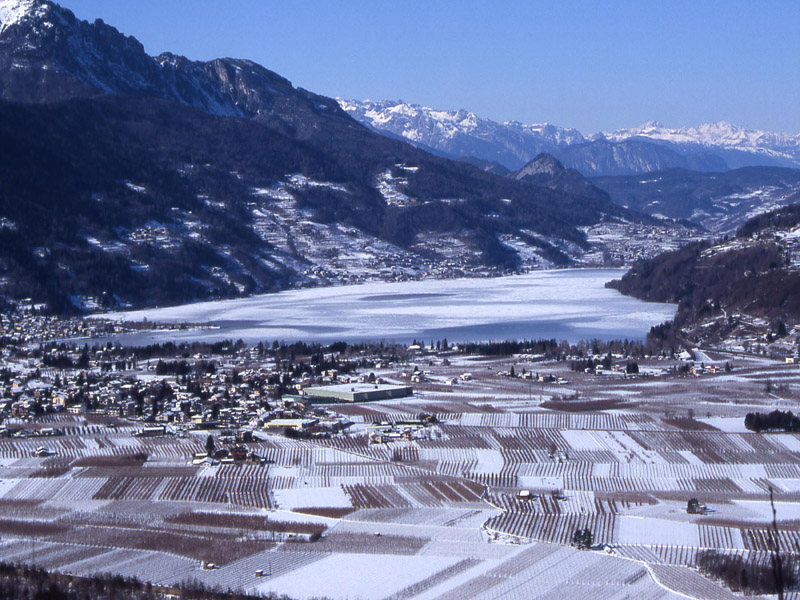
{"x": 357, "y": 392}
{"x": 290, "y": 423}
{"x": 152, "y": 431}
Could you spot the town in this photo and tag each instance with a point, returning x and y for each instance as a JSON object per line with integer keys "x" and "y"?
{"x": 252, "y": 467}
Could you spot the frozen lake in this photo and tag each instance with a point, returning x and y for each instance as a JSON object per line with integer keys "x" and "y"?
{"x": 561, "y": 304}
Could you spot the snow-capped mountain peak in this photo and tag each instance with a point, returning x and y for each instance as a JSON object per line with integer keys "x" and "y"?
{"x": 719, "y": 134}
{"x": 412, "y": 121}
{"x": 43, "y": 13}
{"x": 461, "y": 132}
{"x": 14, "y": 11}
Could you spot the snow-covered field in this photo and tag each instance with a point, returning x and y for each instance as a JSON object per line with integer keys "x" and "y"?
{"x": 439, "y": 516}
{"x": 563, "y": 304}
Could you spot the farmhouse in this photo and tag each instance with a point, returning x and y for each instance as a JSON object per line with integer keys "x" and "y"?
{"x": 152, "y": 431}
{"x": 357, "y": 392}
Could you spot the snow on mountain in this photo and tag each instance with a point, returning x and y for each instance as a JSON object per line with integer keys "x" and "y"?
{"x": 14, "y": 11}
{"x": 558, "y": 135}
{"x": 652, "y": 146}
{"x": 423, "y": 124}
{"x": 414, "y": 122}
{"x": 716, "y": 135}
{"x": 458, "y": 133}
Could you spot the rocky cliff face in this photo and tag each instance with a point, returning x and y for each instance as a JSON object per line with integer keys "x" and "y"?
{"x": 48, "y": 55}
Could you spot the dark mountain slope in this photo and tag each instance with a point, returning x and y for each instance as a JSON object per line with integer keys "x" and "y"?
{"x": 756, "y": 273}
{"x": 484, "y": 165}
{"x": 545, "y": 170}
{"x": 720, "y": 202}
{"x": 70, "y": 181}
{"x": 90, "y": 178}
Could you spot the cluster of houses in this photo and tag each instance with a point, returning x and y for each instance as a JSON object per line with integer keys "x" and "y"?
{"x": 239, "y": 388}
{"x": 626, "y": 243}
{"x": 150, "y": 233}
{"x": 401, "y": 431}
{"x": 28, "y": 324}
{"x": 219, "y": 401}
{"x": 21, "y": 432}
{"x": 395, "y": 268}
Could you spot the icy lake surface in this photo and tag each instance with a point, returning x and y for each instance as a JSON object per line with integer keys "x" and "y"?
{"x": 561, "y": 304}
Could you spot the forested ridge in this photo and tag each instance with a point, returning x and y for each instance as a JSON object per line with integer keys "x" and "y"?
{"x": 752, "y": 272}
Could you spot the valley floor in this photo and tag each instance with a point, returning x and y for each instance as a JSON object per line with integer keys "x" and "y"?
{"x": 439, "y": 516}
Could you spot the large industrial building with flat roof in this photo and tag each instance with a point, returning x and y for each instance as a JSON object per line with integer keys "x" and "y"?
{"x": 357, "y": 392}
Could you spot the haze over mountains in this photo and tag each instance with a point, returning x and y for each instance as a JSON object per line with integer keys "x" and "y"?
{"x": 651, "y": 147}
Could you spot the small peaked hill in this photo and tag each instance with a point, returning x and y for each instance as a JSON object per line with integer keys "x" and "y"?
{"x": 547, "y": 171}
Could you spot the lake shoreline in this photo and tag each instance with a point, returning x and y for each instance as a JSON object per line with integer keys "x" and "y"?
{"x": 565, "y": 304}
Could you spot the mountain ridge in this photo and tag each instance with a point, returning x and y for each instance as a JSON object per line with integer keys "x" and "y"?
{"x": 230, "y": 181}
{"x": 650, "y": 147}
{"x": 49, "y": 55}
{"x": 716, "y": 134}
{"x": 738, "y": 289}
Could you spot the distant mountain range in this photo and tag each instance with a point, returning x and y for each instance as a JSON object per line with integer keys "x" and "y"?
{"x": 651, "y": 147}
{"x": 137, "y": 180}
{"x": 459, "y": 133}
{"x": 721, "y": 135}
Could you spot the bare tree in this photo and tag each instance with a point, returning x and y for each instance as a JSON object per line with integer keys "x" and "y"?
{"x": 777, "y": 565}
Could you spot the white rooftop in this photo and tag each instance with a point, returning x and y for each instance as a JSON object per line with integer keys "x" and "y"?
{"x": 358, "y": 387}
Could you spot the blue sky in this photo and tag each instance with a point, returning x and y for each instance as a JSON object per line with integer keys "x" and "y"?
{"x": 594, "y": 65}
